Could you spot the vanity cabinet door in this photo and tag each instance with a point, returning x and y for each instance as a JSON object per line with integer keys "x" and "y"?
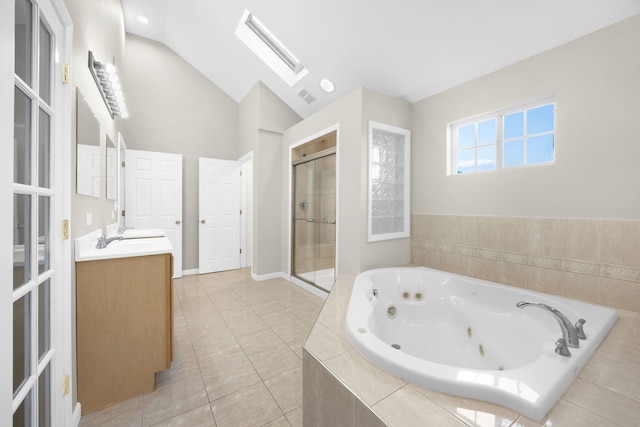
{"x": 124, "y": 327}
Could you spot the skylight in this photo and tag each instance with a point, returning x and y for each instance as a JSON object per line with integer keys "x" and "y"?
{"x": 268, "y": 48}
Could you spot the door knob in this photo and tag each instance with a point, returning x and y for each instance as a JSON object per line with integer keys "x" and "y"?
{"x": 178, "y": 222}
{"x": 202, "y": 221}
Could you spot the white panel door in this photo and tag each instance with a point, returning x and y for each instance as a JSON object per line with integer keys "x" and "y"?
{"x": 219, "y": 208}
{"x": 154, "y": 196}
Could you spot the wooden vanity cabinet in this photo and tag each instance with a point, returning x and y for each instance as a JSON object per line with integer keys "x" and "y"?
{"x": 124, "y": 327}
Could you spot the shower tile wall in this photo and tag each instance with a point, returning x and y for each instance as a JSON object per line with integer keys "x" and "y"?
{"x": 587, "y": 259}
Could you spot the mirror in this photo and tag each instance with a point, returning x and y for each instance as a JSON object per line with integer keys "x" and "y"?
{"x": 122, "y": 156}
{"x": 112, "y": 170}
{"x": 88, "y": 149}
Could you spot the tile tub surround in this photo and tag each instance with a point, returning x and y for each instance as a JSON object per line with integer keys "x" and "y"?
{"x": 341, "y": 385}
{"x": 593, "y": 260}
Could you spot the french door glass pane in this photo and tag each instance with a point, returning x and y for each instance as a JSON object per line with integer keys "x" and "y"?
{"x": 21, "y": 239}
{"x": 21, "y": 341}
{"x": 44, "y": 150}
{"x": 44, "y": 318}
{"x": 22, "y": 138}
{"x": 44, "y": 398}
{"x": 23, "y": 44}
{"x": 45, "y": 63}
{"x": 22, "y": 416}
{"x": 44, "y": 255}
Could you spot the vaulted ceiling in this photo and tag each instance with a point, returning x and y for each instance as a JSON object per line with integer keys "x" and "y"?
{"x": 408, "y": 49}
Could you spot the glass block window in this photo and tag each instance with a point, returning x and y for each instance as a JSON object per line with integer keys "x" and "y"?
{"x": 389, "y": 161}
{"x": 508, "y": 138}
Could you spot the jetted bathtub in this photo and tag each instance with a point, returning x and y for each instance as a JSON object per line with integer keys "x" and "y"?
{"x": 466, "y": 337}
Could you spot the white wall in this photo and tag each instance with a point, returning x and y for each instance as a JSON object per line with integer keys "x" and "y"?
{"x": 596, "y": 84}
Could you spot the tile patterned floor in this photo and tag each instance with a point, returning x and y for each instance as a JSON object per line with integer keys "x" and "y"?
{"x": 237, "y": 357}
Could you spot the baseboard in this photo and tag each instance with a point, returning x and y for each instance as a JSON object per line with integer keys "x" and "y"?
{"x": 191, "y": 272}
{"x": 277, "y": 275}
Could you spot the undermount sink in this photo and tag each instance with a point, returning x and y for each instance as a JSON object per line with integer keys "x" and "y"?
{"x": 86, "y": 247}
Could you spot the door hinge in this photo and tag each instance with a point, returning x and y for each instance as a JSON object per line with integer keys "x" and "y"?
{"x": 240, "y": 250}
{"x": 124, "y": 213}
{"x": 65, "y": 229}
{"x": 65, "y": 385}
{"x": 123, "y": 163}
{"x": 240, "y": 211}
{"x": 65, "y": 74}
{"x": 240, "y": 173}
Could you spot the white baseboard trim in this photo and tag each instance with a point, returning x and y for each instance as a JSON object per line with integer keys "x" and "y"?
{"x": 261, "y": 277}
{"x": 191, "y": 272}
{"x": 77, "y": 413}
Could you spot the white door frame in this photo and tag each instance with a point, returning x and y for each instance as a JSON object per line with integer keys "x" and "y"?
{"x": 246, "y": 204}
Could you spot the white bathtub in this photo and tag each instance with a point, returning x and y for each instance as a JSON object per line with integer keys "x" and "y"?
{"x": 466, "y": 337}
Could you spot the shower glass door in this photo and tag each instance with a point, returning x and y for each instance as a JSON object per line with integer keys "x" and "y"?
{"x": 314, "y": 225}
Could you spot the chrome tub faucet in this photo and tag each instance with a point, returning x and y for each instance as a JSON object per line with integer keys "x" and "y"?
{"x": 571, "y": 335}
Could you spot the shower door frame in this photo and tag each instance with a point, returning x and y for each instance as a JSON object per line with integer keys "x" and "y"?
{"x": 333, "y": 151}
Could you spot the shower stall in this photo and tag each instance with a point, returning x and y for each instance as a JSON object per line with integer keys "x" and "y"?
{"x": 314, "y": 212}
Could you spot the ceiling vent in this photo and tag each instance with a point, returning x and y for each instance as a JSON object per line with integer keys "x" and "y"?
{"x": 304, "y": 94}
{"x": 264, "y": 44}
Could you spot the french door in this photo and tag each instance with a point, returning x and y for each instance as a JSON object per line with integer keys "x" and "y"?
{"x": 39, "y": 346}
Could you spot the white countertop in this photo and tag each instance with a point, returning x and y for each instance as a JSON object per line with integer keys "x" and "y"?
{"x": 86, "y": 247}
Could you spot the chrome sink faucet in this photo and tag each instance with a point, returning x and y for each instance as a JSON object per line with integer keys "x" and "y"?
{"x": 571, "y": 335}
{"x": 103, "y": 241}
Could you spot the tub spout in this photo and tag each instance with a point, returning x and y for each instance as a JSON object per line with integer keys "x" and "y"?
{"x": 569, "y": 332}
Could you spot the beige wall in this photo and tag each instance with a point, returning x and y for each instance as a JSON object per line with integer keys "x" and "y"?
{"x": 263, "y": 119}
{"x": 570, "y": 229}
{"x": 91, "y": 22}
{"x": 352, "y": 114}
{"x": 175, "y": 109}
{"x": 596, "y": 87}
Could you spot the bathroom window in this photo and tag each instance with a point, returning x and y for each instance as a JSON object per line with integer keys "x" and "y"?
{"x": 508, "y": 138}
{"x": 389, "y": 161}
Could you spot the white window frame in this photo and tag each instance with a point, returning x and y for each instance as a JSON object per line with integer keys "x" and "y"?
{"x": 452, "y": 133}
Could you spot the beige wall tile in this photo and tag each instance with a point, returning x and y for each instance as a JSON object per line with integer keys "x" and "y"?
{"x": 620, "y": 243}
{"x": 580, "y": 239}
{"x": 545, "y": 237}
{"x": 514, "y": 274}
{"x": 620, "y": 293}
{"x": 365, "y": 417}
{"x": 514, "y": 234}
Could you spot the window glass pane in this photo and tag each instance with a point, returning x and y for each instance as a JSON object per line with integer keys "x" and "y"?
{"x": 487, "y": 158}
{"x": 514, "y": 125}
{"x": 466, "y": 161}
{"x": 466, "y": 136}
{"x": 540, "y": 119}
{"x": 23, "y": 31}
{"x": 21, "y": 239}
{"x": 44, "y": 150}
{"x": 487, "y": 132}
{"x": 45, "y": 63}
{"x": 21, "y": 342}
{"x": 43, "y": 234}
{"x": 22, "y": 416}
{"x": 44, "y": 398}
{"x": 44, "y": 318}
{"x": 540, "y": 149}
{"x": 514, "y": 153}
{"x": 22, "y": 138}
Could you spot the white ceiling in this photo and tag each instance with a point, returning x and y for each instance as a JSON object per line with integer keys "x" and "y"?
{"x": 409, "y": 49}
